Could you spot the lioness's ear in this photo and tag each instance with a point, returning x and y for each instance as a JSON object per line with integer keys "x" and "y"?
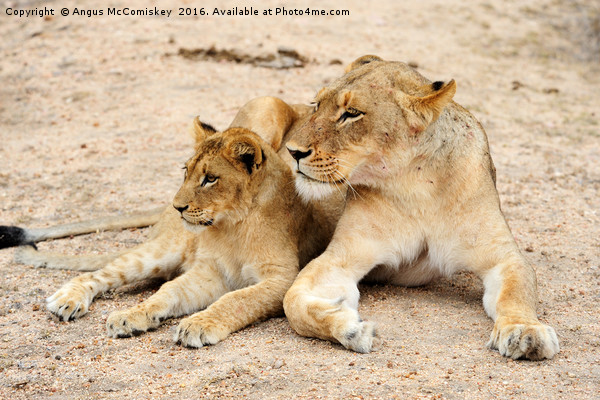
{"x": 245, "y": 151}
{"x": 359, "y": 62}
{"x": 201, "y": 131}
{"x": 428, "y": 108}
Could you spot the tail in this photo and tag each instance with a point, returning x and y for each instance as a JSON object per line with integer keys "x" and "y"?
{"x": 40, "y": 259}
{"x": 11, "y": 236}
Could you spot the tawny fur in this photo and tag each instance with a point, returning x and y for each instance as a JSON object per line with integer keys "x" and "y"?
{"x": 422, "y": 204}
{"x": 233, "y": 242}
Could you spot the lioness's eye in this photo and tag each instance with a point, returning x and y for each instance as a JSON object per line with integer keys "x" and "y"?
{"x": 209, "y": 179}
{"x": 184, "y": 172}
{"x": 315, "y": 105}
{"x": 350, "y": 113}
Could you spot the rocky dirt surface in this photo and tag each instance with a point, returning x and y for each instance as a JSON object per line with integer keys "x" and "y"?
{"x": 94, "y": 120}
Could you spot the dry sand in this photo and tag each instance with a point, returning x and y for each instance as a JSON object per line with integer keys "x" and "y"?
{"x": 94, "y": 115}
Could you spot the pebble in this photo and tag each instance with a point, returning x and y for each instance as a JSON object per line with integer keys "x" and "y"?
{"x": 26, "y": 365}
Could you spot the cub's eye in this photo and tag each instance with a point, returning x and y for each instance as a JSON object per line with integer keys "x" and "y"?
{"x": 185, "y": 172}
{"x": 349, "y": 114}
{"x": 208, "y": 179}
{"x": 315, "y": 105}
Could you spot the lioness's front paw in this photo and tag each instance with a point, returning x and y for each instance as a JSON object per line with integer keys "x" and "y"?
{"x": 127, "y": 323}
{"x": 350, "y": 330}
{"x": 67, "y": 304}
{"x": 534, "y": 341}
{"x": 360, "y": 337}
{"x": 198, "y": 331}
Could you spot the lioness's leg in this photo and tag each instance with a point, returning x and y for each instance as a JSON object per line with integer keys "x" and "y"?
{"x": 192, "y": 291}
{"x": 510, "y": 299}
{"x": 510, "y": 296}
{"x": 151, "y": 259}
{"x": 323, "y": 303}
{"x": 238, "y": 309}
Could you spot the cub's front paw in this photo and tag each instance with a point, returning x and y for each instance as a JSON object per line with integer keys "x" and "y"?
{"x": 67, "y": 304}
{"x": 531, "y": 340}
{"x": 199, "y": 331}
{"x": 127, "y": 323}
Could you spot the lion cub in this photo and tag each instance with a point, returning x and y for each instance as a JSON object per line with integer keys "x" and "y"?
{"x": 235, "y": 238}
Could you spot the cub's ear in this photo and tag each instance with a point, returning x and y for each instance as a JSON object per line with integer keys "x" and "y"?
{"x": 359, "y": 62}
{"x": 201, "y": 131}
{"x": 426, "y": 109}
{"x": 245, "y": 152}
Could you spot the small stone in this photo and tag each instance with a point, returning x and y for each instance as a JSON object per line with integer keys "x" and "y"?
{"x": 20, "y": 385}
{"x": 26, "y": 365}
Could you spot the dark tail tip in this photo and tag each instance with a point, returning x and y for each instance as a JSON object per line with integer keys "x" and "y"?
{"x": 11, "y": 236}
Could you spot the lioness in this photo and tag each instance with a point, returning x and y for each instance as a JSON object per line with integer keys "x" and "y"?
{"x": 236, "y": 233}
{"x": 422, "y": 204}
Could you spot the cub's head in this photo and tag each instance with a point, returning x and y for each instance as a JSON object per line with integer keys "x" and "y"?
{"x": 365, "y": 125}
{"x": 222, "y": 178}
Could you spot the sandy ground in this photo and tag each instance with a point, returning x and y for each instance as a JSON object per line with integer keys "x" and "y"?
{"x": 94, "y": 115}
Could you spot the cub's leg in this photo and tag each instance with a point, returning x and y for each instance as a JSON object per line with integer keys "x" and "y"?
{"x": 151, "y": 259}
{"x": 237, "y": 309}
{"x": 192, "y": 291}
{"x": 41, "y": 259}
{"x": 510, "y": 299}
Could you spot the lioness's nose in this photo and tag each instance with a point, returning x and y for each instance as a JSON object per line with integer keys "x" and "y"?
{"x": 181, "y": 209}
{"x": 299, "y": 154}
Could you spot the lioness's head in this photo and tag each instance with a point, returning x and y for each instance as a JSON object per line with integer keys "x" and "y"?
{"x": 221, "y": 178}
{"x": 364, "y": 125}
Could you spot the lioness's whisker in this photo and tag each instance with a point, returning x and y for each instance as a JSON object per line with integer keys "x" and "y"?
{"x": 344, "y": 179}
{"x": 335, "y": 183}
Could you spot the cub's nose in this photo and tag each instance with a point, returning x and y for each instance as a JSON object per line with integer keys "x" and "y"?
{"x": 298, "y": 153}
{"x": 181, "y": 209}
